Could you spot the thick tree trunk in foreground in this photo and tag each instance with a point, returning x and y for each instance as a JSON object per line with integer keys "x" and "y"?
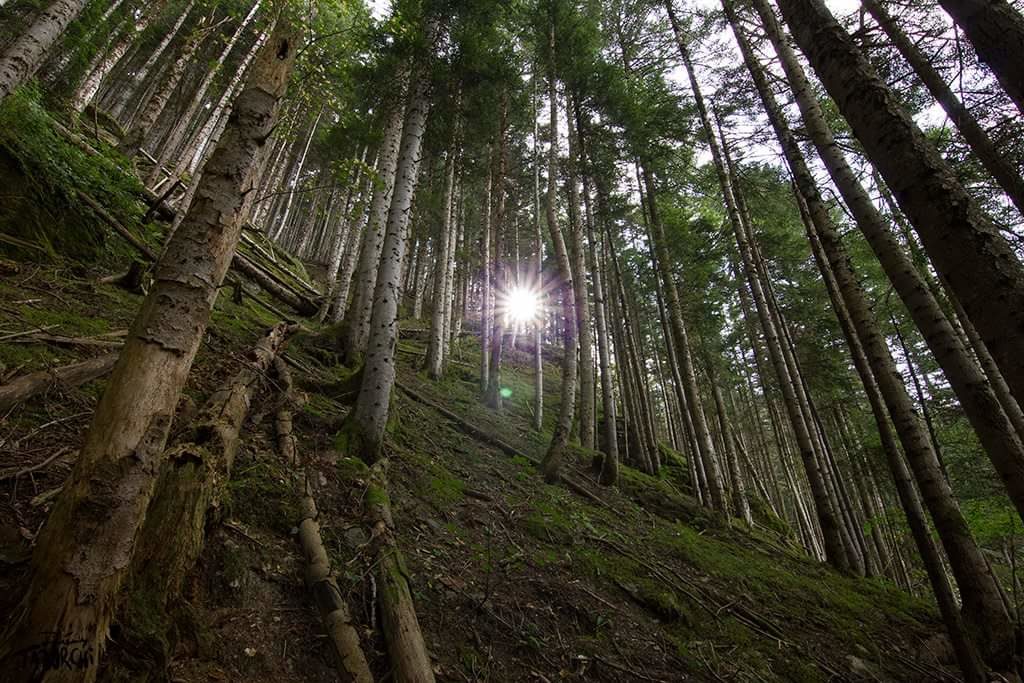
{"x": 87, "y": 543}
{"x": 192, "y": 480}
{"x": 964, "y": 245}
{"x": 26, "y": 54}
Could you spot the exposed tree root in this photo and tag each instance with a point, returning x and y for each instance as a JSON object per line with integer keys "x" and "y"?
{"x": 35, "y": 383}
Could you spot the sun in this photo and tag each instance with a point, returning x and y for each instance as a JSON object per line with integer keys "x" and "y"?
{"x": 522, "y": 304}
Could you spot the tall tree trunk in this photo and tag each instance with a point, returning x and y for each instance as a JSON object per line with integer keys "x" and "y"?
{"x": 830, "y": 526}
{"x": 23, "y": 57}
{"x": 131, "y": 89}
{"x": 963, "y": 243}
{"x": 178, "y": 131}
{"x": 577, "y": 241}
{"x": 538, "y": 238}
{"x": 446, "y": 253}
{"x": 994, "y": 161}
{"x": 869, "y": 349}
{"x": 499, "y": 264}
{"x": 84, "y": 549}
{"x": 978, "y": 399}
{"x": 552, "y": 462}
{"x": 983, "y": 606}
{"x": 369, "y": 418}
{"x": 996, "y": 30}
{"x": 356, "y": 324}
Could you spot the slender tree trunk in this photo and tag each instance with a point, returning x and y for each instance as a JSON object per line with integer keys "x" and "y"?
{"x": 23, "y": 57}
{"x": 84, "y": 549}
{"x": 538, "y": 324}
{"x": 994, "y": 161}
{"x": 356, "y": 324}
{"x": 499, "y": 265}
{"x": 131, "y": 89}
{"x": 446, "y": 254}
{"x": 978, "y": 399}
{"x": 877, "y": 370}
{"x": 143, "y": 125}
{"x": 964, "y": 245}
{"x": 369, "y": 418}
{"x": 563, "y": 426}
{"x": 577, "y": 241}
{"x": 183, "y": 122}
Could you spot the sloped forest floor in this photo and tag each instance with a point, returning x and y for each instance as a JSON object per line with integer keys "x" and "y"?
{"x": 513, "y": 579}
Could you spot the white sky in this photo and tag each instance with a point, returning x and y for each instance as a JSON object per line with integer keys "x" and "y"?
{"x": 379, "y": 8}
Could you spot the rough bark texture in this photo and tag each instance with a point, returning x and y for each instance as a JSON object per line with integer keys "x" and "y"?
{"x": 371, "y": 412}
{"x": 994, "y": 161}
{"x": 827, "y": 517}
{"x": 552, "y": 463}
{"x": 881, "y": 381}
{"x": 356, "y": 323}
{"x": 25, "y": 55}
{"x": 87, "y": 543}
{"x": 964, "y": 245}
{"x": 406, "y": 648}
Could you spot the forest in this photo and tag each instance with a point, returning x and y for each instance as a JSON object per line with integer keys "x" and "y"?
{"x": 511, "y": 340}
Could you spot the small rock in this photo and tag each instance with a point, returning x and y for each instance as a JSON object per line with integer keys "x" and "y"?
{"x": 250, "y": 652}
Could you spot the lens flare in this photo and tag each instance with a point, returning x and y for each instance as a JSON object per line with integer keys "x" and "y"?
{"x": 522, "y": 305}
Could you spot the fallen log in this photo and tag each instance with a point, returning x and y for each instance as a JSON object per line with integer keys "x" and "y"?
{"x": 408, "y": 652}
{"x": 25, "y": 387}
{"x": 274, "y": 286}
{"x": 192, "y": 479}
{"x": 492, "y": 440}
{"x": 330, "y": 602}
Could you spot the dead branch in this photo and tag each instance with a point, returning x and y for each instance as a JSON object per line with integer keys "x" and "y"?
{"x": 33, "y": 384}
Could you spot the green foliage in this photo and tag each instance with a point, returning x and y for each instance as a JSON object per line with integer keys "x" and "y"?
{"x": 46, "y": 171}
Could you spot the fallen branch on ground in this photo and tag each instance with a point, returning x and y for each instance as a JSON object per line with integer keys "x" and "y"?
{"x": 408, "y": 652}
{"x": 194, "y": 475}
{"x": 334, "y": 612}
{"x": 33, "y": 384}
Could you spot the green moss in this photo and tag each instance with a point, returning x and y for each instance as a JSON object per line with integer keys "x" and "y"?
{"x": 260, "y": 495}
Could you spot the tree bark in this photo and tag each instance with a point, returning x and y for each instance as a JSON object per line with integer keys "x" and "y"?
{"x": 964, "y": 245}
{"x": 369, "y": 418}
{"x": 88, "y": 540}
{"x": 996, "y": 30}
{"x": 552, "y": 462}
{"x": 26, "y": 386}
{"x": 977, "y": 397}
{"x": 23, "y": 57}
{"x": 983, "y": 606}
